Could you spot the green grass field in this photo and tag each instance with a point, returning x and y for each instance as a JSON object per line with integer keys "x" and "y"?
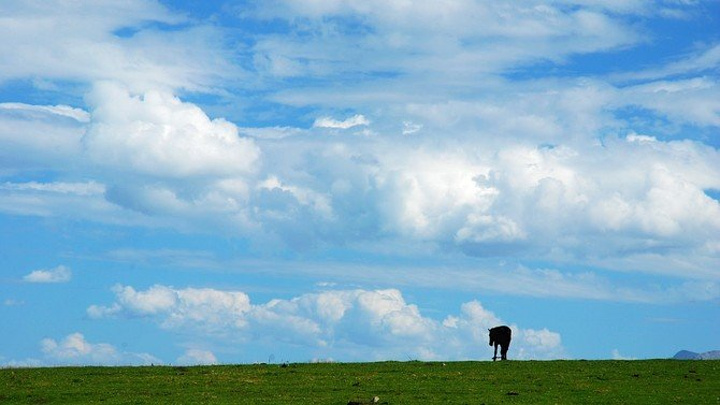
{"x": 600, "y": 382}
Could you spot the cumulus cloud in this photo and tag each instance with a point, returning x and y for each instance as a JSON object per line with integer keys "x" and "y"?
{"x": 193, "y": 357}
{"x": 153, "y": 139}
{"x": 75, "y": 349}
{"x": 318, "y": 202}
{"x": 158, "y": 134}
{"x": 561, "y": 200}
{"x": 206, "y": 309}
{"x": 347, "y": 324}
{"x": 522, "y": 196}
{"x": 540, "y": 196}
{"x": 137, "y": 147}
{"x": 429, "y": 194}
{"x": 59, "y": 274}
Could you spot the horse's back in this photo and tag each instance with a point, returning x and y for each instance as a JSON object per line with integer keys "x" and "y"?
{"x": 501, "y": 332}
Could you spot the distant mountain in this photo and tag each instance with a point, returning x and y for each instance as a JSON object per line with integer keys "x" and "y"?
{"x": 713, "y": 355}
{"x": 688, "y": 355}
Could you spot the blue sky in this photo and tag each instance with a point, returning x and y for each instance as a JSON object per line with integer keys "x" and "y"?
{"x": 265, "y": 181}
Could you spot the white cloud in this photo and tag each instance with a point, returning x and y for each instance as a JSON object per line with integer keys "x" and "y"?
{"x": 430, "y": 194}
{"x": 439, "y": 44}
{"x": 345, "y": 324}
{"x": 158, "y": 134}
{"x": 318, "y": 202}
{"x": 543, "y": 338}
{"x": 75, "y": 349}
{"x": 354, "y": 121}
{"x": 206, "y": 309}
{"x": 522, "y": 196}
{"x": 84, "y": 201}
{"x": 62, "y": 110}
{"x": 272, "y": 132}
{"x": 153, "y": 139}
{"x": 701, "y": 61}
{"x": 617, "y": 356}
{"x": 82, "y": 189}
{"x": 197, "y": 357}
{"x": 10, "y": 302}
{"x": 136, "y": 148}
{"x": 23, "y": 363}
{"x": 59, "y": 274}
{"x": 691, "y": 101}
{"x": 508, "y": 193}
{"x": 42, "y": 136}
{"x": 47, "y": 48}
{"x": 410, "y": 128}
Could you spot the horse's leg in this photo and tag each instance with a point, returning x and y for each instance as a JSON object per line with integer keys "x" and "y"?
{"x": 503, "y": 351}
{"x": 495, "y": 355}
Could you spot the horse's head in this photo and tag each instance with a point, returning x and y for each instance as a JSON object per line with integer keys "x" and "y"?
{"x": 491, "y": 337}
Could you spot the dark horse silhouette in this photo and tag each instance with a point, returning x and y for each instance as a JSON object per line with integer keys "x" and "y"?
{"x": 500, "y": 335}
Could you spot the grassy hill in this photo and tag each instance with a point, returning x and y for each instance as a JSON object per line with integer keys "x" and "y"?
{"x": 601, "y": 382}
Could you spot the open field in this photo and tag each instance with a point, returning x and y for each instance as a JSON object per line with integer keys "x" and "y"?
{"x": 601, "y": 382}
